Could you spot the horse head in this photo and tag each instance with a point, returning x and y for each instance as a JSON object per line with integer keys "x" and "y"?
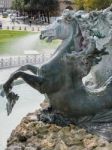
{"x": 63, "y": 28}
{"x": 60, "y": 29}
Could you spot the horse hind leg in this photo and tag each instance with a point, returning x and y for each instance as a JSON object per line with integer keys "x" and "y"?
{"x": 29, "y": 67}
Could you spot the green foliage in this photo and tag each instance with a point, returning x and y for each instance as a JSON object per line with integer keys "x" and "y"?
{"x": 79, "y": 4}
{"x": 18, "y": 4}
{"x": 92, "y": 4}
{"x": 35, "y": 4}
{"x": 46, "y": 7}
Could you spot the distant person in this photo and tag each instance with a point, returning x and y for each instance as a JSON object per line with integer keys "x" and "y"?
{"x": 13, "y": 19}
{"x": 0, "y": 25}
{"x": 17, "y": 14}
{"x": 30, "y": 22}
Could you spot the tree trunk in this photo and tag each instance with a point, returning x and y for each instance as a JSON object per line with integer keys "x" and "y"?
{"x": 44, "y": 16}
{"x": 48, "y": 16}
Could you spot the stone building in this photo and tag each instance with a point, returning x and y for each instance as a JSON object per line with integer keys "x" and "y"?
{"x": 65, "y": 4}
{"x": 5, "y": 4}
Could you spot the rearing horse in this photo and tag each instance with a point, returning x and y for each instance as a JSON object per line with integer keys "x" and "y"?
{"x": 60, "y": 79}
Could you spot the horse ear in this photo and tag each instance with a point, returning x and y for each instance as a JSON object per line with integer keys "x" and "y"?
{"x": 68, "y": 15}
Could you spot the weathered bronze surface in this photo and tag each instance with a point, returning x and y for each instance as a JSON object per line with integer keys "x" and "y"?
{"x": 77, "y": 80}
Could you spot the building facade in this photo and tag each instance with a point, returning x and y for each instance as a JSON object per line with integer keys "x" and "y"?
{"x": 5, "y": 4}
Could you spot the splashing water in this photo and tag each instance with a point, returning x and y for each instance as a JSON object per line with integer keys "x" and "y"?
{"x": 30, "y": 42}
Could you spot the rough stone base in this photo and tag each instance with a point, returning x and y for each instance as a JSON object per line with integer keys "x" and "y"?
{"x": 33, "y": 134}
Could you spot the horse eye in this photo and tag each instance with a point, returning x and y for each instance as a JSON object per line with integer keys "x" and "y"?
{"x": 59, "y": 21}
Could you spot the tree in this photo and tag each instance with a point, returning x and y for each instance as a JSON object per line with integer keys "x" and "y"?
{"x": 49, "y": 7}
{"x": 79, "y": 4}
{"x": 92, "y": 4}
{"x": 18, "y": 5}
{"x": 44, "y": 6}
{"x": 96, "y": 4}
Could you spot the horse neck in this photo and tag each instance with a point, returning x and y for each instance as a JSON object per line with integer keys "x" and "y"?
{"x": 62, "y": 49}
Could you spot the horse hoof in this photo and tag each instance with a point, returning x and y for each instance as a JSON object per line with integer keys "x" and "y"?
{"x": 2, "y": 93}
{"x": 12, "y": 98}
{"x": 7, "y": 87}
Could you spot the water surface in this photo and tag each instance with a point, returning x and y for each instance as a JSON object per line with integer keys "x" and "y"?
{"x": 29, "y": 101}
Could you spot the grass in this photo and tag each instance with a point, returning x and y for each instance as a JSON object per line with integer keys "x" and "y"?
{"x": 8, "y": 38}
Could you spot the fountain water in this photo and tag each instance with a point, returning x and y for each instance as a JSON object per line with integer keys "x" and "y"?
{"x": 29, "y": 42}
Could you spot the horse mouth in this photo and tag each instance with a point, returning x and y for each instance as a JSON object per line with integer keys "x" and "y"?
{"x": 49, "y": 35}
{"x": 48, "y": 39}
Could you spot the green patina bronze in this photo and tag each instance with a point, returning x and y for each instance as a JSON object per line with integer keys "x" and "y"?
{"x": 64, "y": 78}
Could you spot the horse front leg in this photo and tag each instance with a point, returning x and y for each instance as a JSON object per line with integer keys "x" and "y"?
{"x": 29, "y": 67}
{"x": 32, "y": 80}
{"x": 11, "y": 96}
{"x": 17, "y": 73}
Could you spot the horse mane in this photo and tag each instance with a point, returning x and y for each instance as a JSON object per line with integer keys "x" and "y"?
{"x": 78, "y": 38}
{"x": 84, "y": 50}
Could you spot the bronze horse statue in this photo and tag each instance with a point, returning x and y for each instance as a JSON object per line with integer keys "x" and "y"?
{"x": 60, "y": 79}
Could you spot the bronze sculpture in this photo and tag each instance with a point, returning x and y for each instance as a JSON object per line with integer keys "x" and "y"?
{"x": 60, "y": 79}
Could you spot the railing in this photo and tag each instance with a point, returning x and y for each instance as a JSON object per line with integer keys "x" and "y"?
{"x": 16, "y": 61}
{"x": 23, "y": 28}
